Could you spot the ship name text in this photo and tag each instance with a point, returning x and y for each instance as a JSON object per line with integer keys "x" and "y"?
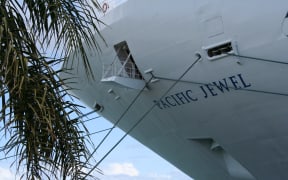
{"x": 204, "y": 91}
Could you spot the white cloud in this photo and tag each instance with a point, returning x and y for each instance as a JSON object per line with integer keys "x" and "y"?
{"x": 6, "y": 174}
{"x": 127, "y": 169}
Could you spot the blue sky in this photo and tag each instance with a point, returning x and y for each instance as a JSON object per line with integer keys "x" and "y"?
{"x": 133, "y": 161}
{"x": 129, "y": 161}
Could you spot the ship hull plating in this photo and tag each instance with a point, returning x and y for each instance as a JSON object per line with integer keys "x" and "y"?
{"x": 223, "y": 116}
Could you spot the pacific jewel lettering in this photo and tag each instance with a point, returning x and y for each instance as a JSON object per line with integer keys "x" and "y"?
{"x": 205, "y": 91}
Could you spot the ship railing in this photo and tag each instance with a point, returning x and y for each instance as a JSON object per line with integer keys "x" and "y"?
{"x": 125, "y": 69}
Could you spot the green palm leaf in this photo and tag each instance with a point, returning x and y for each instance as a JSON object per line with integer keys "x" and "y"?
{"x": 35, "y": 114}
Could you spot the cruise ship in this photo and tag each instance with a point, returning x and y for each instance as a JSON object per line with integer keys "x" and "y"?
{"x": 203, "y": 83}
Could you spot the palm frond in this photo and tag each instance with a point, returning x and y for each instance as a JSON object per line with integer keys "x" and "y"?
{"x": 34, "y": 112}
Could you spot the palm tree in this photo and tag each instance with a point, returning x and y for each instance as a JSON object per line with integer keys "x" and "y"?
{"x": 36, "y": 116}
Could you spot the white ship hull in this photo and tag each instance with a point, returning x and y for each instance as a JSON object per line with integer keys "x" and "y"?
{"x": 226, "y": 118}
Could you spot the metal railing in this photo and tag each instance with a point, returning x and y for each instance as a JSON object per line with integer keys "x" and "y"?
{"x": 125, "y": 69}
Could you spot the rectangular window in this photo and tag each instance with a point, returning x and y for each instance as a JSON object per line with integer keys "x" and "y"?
{"x": 125, "y": 57}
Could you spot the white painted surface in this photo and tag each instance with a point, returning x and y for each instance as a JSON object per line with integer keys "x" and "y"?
{"x": 249, "y": 123}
